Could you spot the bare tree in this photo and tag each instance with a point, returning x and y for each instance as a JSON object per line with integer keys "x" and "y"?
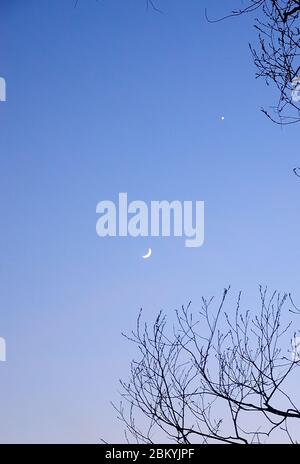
{"x": 277, "y": 56}
{"x": 214, "y": 376}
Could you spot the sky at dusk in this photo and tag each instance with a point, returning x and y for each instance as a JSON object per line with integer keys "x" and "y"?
{"x": 110, "y": 97}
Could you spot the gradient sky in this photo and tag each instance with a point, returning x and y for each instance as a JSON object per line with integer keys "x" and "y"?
{"x": 105, "y": 98}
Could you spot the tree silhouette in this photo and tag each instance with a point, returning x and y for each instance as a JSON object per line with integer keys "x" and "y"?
{"x": 214, "y": 376}
{"x": 277, "y": 57}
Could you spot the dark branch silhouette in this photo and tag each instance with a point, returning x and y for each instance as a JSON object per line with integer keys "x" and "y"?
{"x": 277, "y": 56}
{"x": 215, "y": 376}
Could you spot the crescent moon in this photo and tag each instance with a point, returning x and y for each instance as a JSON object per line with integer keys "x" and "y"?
{"x": 146, "y": 256}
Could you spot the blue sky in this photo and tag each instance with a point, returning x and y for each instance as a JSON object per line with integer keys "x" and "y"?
{"x": 105, "y": 98}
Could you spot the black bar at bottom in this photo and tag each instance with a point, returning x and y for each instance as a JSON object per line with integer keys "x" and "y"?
{"x": 153, "y": 453}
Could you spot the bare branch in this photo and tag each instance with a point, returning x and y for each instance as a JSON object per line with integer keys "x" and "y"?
{"x": 212, "y": 376}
